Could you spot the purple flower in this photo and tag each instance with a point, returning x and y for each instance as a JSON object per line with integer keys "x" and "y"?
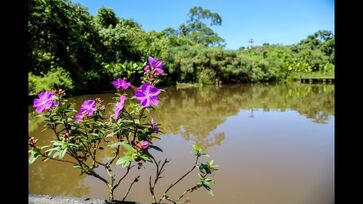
{"x": 121, "y": 83}
{"x": 45, "y": 101}
{"x": 87, "y": 109}
{"x": 80, "y": 116}
{"x": 144, "y": 144}
{"x": 155, "y": 64}
{"x": 154, "y": 126}
{"x": 147, "y": 95}
{"x": 119, "y": 106}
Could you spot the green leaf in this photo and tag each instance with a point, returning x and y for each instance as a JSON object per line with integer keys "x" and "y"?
{"x": 50, "y": 151}
{"x": 156, "y": 148}
{"x": 115, "y": 145}
{"x": 62, "y": 153}
{"x": 209, "y": 181}
{"x": 197, "y": 147}
{"x": 199, "y": 184}
{"x": 33, "y": 156}
{"x": 32, "y": 159}
{"x": 124, "y": 161}
{"x": 45, "y": 159}
{"x": 210, "y": 163}
{"x": 146, "y": 157}
{"x": 198, "y": 150}
{"x": 128, "y": 147}
{"x": 77, "y": 166}
{"x": 210, "y": 191}
{"x": 55, "y": 154}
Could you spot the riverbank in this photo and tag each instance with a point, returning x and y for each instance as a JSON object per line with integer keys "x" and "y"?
{"x": 47, "y": 199}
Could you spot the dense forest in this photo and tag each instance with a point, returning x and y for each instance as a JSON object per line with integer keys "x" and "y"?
{"x": 83, "y": 53}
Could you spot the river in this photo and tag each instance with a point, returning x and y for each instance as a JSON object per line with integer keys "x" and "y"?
{"x": 274, "y": 144}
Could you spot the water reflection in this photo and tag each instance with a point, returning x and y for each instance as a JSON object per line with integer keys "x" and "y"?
{"x": 244, "y": 120}
{"x": 196, "y": 112}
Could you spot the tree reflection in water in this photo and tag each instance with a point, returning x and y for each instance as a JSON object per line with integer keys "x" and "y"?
{"x": 196, "y": 112}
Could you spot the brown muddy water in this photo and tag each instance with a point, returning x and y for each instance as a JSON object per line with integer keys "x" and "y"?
{"x": 274, "y": 145}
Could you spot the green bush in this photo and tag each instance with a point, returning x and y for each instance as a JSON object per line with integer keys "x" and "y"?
{"x": 328, "y": 68}
{"x": 131, "y": 71}
{"x": 46, "y": 81}
{"x": 207, "y": 76}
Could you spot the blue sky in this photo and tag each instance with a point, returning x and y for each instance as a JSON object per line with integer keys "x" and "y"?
{"x": 265, "y": 21}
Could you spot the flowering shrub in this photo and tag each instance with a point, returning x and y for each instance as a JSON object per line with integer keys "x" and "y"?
{"x": 80, "y": 134}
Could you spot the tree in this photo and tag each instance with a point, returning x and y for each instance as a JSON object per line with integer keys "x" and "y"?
{"x": 62, "y": 34}
{"x": 170, "y": 32}
{"x": 324, "y": 35}
{"x": 106, "y": 17}
{"x": 197, "y": 29}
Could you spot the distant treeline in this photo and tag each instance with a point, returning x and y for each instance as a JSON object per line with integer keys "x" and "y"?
{"x": 83, "y": 53}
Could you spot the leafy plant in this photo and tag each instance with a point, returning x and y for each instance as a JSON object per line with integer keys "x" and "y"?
{"x": 127, "y": 134}
{"x": 57, "y": 76}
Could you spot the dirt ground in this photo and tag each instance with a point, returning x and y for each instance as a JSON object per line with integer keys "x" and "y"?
{"x": 47, "y": 199}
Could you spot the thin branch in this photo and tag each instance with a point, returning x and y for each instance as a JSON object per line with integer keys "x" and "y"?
{"x": 168, "y": 199}
{"x": 189, "y": 190}
{"x": 133, "y": 120}
{"x": 134, "y": 181}
{"x": 116, "y": 154}
{"x": 157, "y": 176}
{"x": 83, "y": 165}
{"x": 136, "y": 126}
{"x": 92, "y": 173}
{"x": 172, "y": 185}
{"x": 152, "y": 190}
{"x": 127, "y": 171}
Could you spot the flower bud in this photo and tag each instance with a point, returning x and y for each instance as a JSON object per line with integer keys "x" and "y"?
{"x": 32, "y": 141}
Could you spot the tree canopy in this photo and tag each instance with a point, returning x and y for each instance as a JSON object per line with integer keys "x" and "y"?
{"x": 86, "y": 51}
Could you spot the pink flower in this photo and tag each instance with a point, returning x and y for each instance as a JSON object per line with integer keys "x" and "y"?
{"x": 119, "y": 106}
{"x": 147, "y": 95}
{"x": 45, "y": 101}
{"x": 156, "y": 65}
{"x": 87, "y": 109}
{"x": 121, "y": 83}
{"x": 144, "y": 144}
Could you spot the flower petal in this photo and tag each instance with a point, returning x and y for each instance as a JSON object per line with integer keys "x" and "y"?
{"x": 40, "y": 109}
{"x": 152, "y": 61}
{"x": 144, "y": 87}
{"x": 145, "y": 103}
{"x": 159, "y": 65}
{"x": 153, "y": 91}
{"x": 116, "y": 84}
{"x": 139, "y": 94}
{"x": 79, "y": 117}
{"x": 154, "y": 100}
{"x": 37, "y": 102}
{"x": 125, "y": 85}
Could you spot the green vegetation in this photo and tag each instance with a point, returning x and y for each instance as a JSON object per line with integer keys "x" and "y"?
{"x": 87, "y": 51}
{"x": 45, "y": 82}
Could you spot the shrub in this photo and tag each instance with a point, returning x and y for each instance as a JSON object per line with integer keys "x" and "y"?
{"x": 127, "y": 134}
{"x": 207, "y": 76}
{"x": 57, "y": 76}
